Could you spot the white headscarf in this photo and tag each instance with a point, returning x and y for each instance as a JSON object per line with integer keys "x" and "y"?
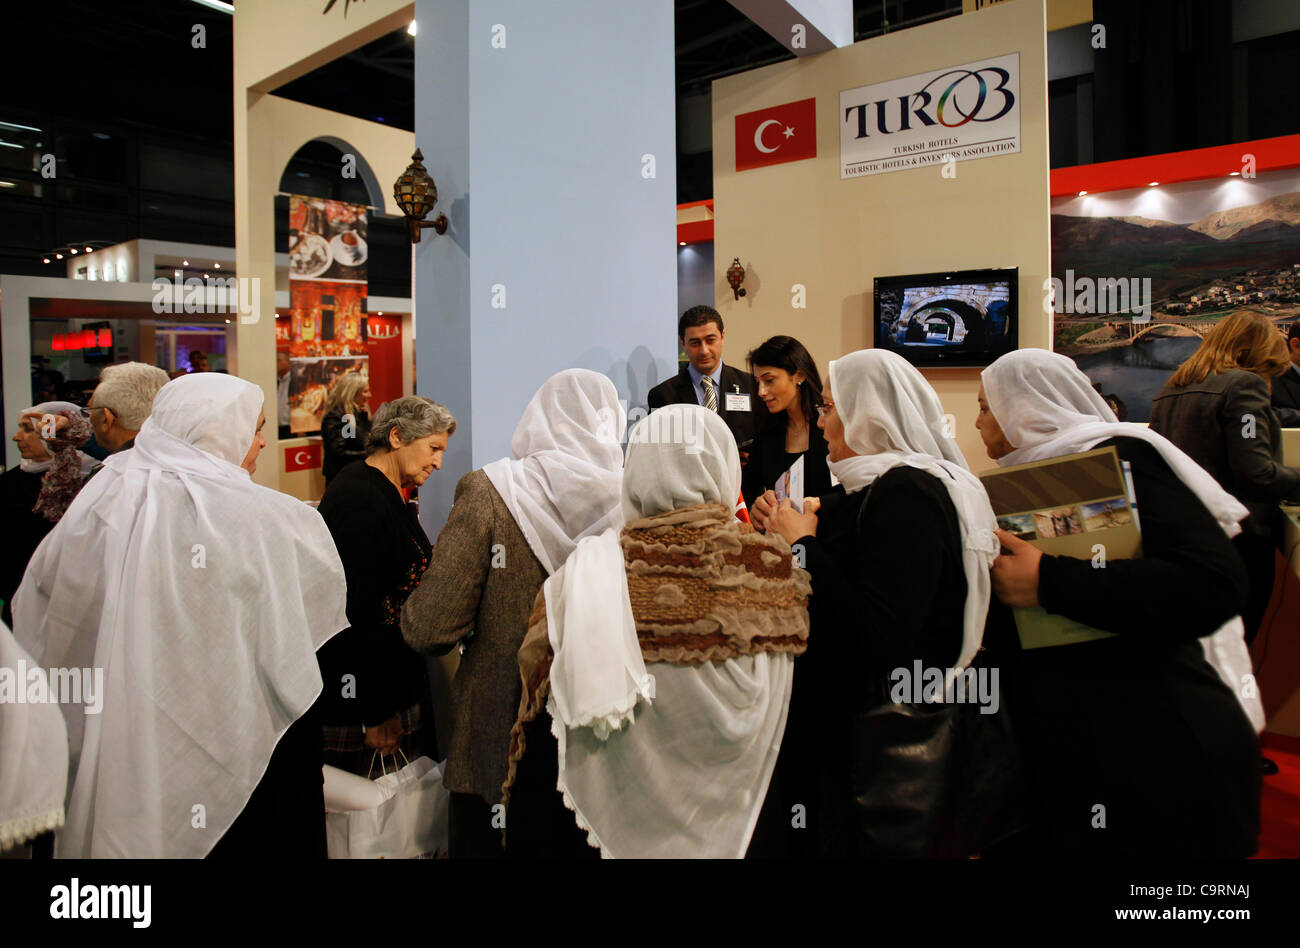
{"x": 563, "y": 482}
{"x": 52, "y": 408}
{"x": 1046, "y": 407}
{"x": 892, "y": 417}
{"x": 203, "y": 598}
{"x": 33, "y": 756}
{"x": 688, "y": 776}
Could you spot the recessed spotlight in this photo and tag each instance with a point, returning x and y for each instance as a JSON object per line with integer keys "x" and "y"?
{"x": 90, "y": 250}
{"x": 47, "y": 259}
{"x": 205, "y": 276}
{"x": 681, "y": 243}
{"x": 72, "y": 250}
{"x": 1152, "y": 184}
{"x": 216, "y": 266}
{"x": 1082, "y": 193}
{"x": 1233, "y": 174}
{"x": 185, "y": 263}
{"x": 58, "y": 256}
{"x": 380, "y": 313}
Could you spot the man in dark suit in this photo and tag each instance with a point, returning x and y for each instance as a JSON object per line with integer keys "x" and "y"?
{"x": 704, "y": 380}
{"x": 1286, "y": 387}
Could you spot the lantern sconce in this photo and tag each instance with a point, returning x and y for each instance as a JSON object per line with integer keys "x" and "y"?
{"x": 736, "y": 276}
{"x": 416, "y": 194}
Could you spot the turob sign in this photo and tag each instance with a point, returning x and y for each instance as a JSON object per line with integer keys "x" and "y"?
{"x": 957, "y": 113}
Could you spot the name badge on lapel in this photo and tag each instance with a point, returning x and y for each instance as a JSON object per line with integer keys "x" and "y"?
{"x": 738, "y": 401}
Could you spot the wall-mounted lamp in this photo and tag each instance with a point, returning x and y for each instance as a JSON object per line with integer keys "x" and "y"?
{"x": 736, "y": 276}
{"x": 416, "y": 194}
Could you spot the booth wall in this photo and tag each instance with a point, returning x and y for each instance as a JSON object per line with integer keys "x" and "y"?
{"x": 799, "y": 223}
{"x": 528, "y": 132}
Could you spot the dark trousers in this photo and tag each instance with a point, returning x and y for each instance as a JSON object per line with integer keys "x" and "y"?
{"x": 1258, "y": 552}
{"x": 470, "y": 833}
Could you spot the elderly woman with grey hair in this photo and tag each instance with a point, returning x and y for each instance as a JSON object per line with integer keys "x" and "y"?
{"x": 376, "y": 695}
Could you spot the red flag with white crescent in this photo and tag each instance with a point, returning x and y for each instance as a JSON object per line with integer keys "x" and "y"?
{"x": 776, "y": 135}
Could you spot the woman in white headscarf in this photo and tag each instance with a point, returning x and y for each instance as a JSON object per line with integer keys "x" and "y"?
{"x": 1138, "y": 724}
{"x": 513, "y": 524}
{"x": 663, "y": 653}
{"x": 201, "y": 597}
{"x": 899, "y": 556}
{"x": 33, "y": 753}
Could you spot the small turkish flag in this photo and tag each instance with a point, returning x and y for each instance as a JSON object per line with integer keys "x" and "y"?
{"x": 302, "y": 458}
{"x": 776, "y": 135}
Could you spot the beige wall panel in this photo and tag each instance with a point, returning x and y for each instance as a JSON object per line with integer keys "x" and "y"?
{"x": 800, "y": 223}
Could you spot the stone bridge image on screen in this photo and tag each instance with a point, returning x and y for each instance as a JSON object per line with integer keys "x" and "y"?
{"x": 970, "y": 315}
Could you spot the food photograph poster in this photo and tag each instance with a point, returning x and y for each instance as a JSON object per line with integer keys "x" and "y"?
{"x": 327, "y": 299}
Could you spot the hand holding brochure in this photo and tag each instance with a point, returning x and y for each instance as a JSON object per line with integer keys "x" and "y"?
{"x": 790, "y": 486}
{"x": 1079, "y": 505}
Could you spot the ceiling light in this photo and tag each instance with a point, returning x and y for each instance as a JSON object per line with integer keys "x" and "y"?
{"x": 185, "y": 263}
{"x": 72, "y": 250}
{"x": 90, "y": 250}
{"x": 9, "y": 144}
{"x": 1233, "y": 174}
{"x": 411, "y": 29}
{"x": 58, "y": 256}
{"x": 681, "y": 243}
{"x": 1152, "y": 184}
{"x": 25, "y": 128}
{"x": 380, "y": 313}
{"x": 46, "y": 259}
{"x": 216, "y": 266}
{"x": 7, "y": 184}
{"x": 1082, "y": 193}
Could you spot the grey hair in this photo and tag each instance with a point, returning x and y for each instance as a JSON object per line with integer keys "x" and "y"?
{"x": 412, "y": 417}
{"x": 127, "y": 390}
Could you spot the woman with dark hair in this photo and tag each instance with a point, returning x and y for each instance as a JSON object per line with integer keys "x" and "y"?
{"x": 1216, "y": 407}
{"x": 791, "y": 388}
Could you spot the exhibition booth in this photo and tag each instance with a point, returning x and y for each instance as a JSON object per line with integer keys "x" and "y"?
{"x": 893, "y": 192}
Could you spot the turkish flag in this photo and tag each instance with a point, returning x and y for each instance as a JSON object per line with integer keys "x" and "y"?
{"x": 776, "y": 135}
{"x": 302, "y": 458}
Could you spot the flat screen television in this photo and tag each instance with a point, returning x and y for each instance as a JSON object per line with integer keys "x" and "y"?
{"x": 961, "y": 317}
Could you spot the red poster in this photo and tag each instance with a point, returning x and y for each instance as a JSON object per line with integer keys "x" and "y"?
{"x": 302, "y": 458}
{"x": 776, "y": 135}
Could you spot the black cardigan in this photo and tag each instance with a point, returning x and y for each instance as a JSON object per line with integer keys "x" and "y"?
{"x": 887, "y": 588}
{"x": 1139, "y": 723}
{"x": 384, "y": 552}
{"x": 340, "y": 451}
{"x": 768, "y": 460}
{"x": 24, "y": 531}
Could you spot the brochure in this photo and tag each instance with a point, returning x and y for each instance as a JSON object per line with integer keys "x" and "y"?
{"x": 1079, "y": 505}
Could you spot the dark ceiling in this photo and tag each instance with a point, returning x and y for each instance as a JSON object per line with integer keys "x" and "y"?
{"x": 714, "y": 39}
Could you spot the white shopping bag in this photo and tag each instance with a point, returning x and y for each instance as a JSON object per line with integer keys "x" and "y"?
{"x": 411, "y": 820}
